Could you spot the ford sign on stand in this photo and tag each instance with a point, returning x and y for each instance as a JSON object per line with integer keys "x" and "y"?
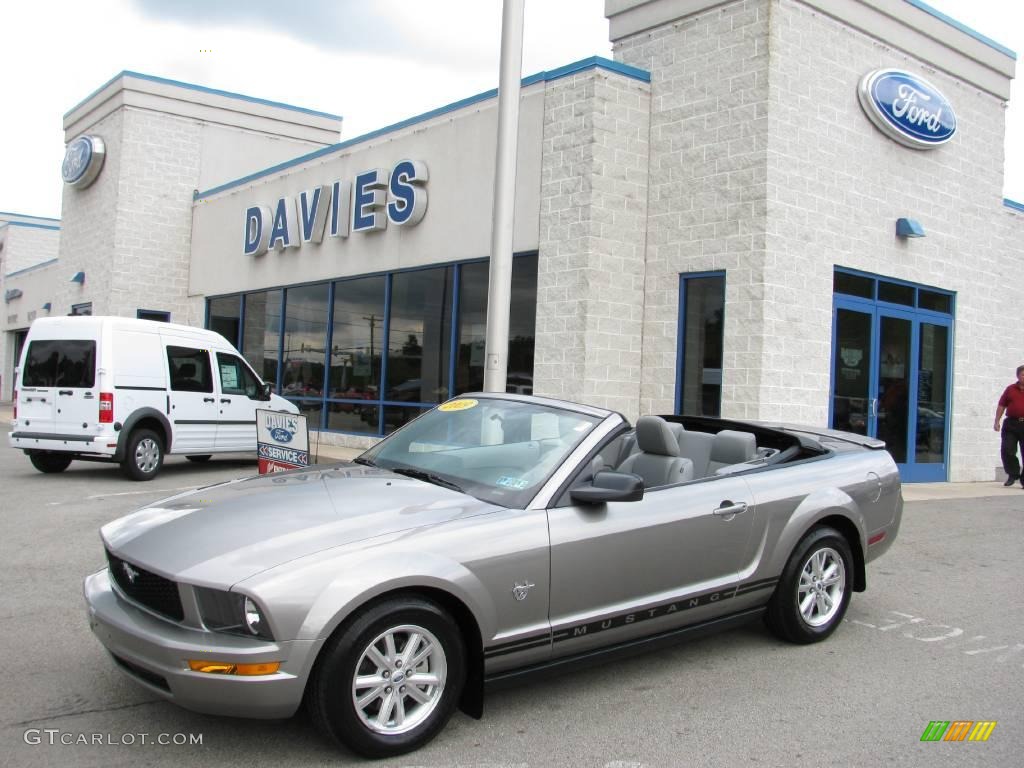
{"x": 907, "y": 108}
{"x": 282, "y": 441}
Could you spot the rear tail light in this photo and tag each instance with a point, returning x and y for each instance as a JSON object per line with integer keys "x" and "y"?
{"x": 106, "y": 407}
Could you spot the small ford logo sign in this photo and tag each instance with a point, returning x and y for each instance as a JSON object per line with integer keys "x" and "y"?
{"x": 907, "y": 108}
{"x": 281, "y": 435}
{"x": 83, "y": 160}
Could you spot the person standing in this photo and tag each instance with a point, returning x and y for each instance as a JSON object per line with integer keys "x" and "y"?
{"x": 1012, "y": 404}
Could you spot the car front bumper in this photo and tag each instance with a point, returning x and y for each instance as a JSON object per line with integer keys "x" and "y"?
{"x": 156, "y": 652}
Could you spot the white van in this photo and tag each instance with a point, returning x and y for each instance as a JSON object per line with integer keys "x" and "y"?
{"x": 130, "y": 391}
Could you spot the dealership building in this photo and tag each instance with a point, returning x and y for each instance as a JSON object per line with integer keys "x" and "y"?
{"x": 781, "y": 210}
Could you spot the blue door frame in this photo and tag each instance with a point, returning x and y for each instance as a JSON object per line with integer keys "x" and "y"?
{"x": 911, "y": 470}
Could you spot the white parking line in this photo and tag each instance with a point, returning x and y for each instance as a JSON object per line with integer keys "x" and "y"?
{"x": 138, "y": 493}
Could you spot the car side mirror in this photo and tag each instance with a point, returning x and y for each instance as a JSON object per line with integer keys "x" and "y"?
{"x": 265, "y": 391}
{"x": 609, "y": 486}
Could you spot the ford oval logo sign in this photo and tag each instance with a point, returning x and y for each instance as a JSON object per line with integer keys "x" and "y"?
{"x": 906, "y": 108}
{"x": 281, "y": 435}
{"x": 83, "y": 160}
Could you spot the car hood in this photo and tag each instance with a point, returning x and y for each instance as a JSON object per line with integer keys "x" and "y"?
{"x": 222, "y": 534}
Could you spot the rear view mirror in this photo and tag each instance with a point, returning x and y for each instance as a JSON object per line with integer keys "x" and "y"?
{"x": 609, "y": 486}
{"x": 265, "y": 391}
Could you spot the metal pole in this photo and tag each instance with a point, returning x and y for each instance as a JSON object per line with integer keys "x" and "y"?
{"x": 499, "y": 291}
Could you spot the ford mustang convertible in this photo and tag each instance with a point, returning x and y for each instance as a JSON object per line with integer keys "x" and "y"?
{"x": 493, "y": 537}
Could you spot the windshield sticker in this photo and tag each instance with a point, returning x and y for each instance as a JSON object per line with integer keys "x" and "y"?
{"x": 458, "y": 405}
{"x": 516, "y": 483}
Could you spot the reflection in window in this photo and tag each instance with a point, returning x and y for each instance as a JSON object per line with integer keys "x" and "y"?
{"x": 419, "y": 336}
{"x": 225, "y": 317}
{"x": 357, "y": 341}
{"x": 263, "y": 332}
{"x": 305, "y": 334}
{"x": 702, "y": 314}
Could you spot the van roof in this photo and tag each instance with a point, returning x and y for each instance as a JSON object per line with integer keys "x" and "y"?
{"x": 95, "y": 322}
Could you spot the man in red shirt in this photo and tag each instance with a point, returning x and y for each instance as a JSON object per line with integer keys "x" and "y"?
{"x": 1012, "y": 404}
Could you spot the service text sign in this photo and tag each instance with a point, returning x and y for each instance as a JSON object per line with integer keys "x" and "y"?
{"x": 282, "y": 441}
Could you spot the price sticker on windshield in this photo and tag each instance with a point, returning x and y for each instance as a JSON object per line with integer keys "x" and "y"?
{"x": 458, "y": 405}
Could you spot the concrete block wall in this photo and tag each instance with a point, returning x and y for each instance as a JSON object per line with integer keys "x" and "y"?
{"x": 593, "y": 211}
{"x": 26, "y": 246}
{"x": 707, "y": 204}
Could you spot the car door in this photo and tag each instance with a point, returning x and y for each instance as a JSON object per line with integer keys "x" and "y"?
{"x": 194, "y": 412}
{"x": 237, "y": 404}
{"x": 624, "y": 570}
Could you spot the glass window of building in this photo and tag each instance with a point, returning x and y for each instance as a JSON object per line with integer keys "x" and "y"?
{"x": 262, "y": 333}
{"x": 305, "y": 339}
{"x": 701, "y": 315}
{"x": 225, "y": 317}
{"x": 357, "y": 351}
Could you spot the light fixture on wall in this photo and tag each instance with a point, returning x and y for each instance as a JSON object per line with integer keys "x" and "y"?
{"x": 47, "y": 307}
{"x": 79, "y": 277}
{"x": 909, "y": 228}
{"x": 11, "y": 294}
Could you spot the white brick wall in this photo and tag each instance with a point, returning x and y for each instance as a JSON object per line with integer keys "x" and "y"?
{"x": 591, "y": 245}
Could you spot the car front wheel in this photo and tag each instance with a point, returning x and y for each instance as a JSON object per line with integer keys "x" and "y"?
{"x": 814, "y": 591}
{"x": 390, "y": 680}
{"x": 144, "y": 455}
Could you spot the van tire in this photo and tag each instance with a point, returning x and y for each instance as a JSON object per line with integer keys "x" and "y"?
{"x": 200, "y": 458}
{"x": 50, "y": 463}
{"x": 144, "y": 455}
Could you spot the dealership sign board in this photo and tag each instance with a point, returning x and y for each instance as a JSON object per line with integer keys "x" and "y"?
{"x": 365, "y": 204}
{"x": 83, "y": 159}
{"x": 282, "y": 441}
{"x": 906, "y": 108}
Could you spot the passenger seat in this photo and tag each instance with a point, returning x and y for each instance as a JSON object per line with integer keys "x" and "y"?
{"x": 658, "y": 462}
{"x": 731, "y": 447}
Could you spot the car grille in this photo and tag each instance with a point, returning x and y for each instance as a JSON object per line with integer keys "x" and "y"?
{"x": 155, "y": 592}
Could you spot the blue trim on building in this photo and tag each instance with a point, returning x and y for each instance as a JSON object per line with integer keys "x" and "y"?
{"x": 201, "y": 89}
{"x": 26, "y": 216}
{"x": 34, "y": 267}
{"x": 962, "y": 27}
{"x": 29, "y": 225}
{"x": 594, "y": 62}
{"x": 1013, "y": 204}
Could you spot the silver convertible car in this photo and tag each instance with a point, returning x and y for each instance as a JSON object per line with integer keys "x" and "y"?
{"x": 493, "y": 537}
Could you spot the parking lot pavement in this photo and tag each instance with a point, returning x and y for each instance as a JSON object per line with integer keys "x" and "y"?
{"x": 938, "y": 636}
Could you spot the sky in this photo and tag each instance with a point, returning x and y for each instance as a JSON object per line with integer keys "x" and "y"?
{"x": 373, "y": 63}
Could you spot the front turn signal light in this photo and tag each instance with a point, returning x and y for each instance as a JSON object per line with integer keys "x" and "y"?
{"x": 226, "y": 668}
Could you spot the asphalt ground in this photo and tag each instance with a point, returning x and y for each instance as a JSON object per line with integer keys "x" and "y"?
{"x": 939, "y": 635}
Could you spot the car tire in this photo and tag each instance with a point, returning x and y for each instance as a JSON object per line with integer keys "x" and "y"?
{"x": 144, "y": 455}
{"x": 811, "y": 598}
{"x": 201, "y": 458}
{"x": 352, "y": 696}
{"x": 50, "y": 463}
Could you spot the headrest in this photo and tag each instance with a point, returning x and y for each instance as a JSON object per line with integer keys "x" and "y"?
{"x": 732, "y": 447}
{"x": 653, "y": 435}
{"x": 187, "y": 370}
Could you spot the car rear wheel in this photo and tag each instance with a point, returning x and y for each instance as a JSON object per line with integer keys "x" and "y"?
{"x": 201, "y": 458}
{"x": 144, "y": 455}
{"x": 50, "y": 463}
{"x": 388, "y": 682}
{"x": 814, "y": 591}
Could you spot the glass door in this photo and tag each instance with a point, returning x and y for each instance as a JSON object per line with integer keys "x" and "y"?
{"x": 890, "y": 380}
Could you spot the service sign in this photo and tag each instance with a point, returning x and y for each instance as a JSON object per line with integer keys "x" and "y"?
{"x": 282, "y": 441}
{"x": 907, "y": 108}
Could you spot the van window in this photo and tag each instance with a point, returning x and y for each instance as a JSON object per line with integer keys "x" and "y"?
{"x": 235, "y": 376}
{"x": 60, "y": 363}
{"x": 190, "y": 369}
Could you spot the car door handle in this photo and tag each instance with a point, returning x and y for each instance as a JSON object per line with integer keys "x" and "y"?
{"x": 209, "y": 400}
{"x": 226, "y": 400}
{"x": 66, "y": 392}
{"x": 728, "y": 508}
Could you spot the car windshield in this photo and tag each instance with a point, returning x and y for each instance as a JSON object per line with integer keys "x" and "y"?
{"x": 497, "y": 450}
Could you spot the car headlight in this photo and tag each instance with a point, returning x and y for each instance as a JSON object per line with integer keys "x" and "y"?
{"x": 231, "y": 612}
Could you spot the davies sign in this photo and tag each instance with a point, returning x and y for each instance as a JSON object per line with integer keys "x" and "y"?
{"x": 907, "y": 108}
{"x": 366, "y": 204}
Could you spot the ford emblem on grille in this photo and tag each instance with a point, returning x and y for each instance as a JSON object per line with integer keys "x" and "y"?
{"x": 281, "y": 435}
{"x": 906, "y": 108}
{"x": 130, "y": 572}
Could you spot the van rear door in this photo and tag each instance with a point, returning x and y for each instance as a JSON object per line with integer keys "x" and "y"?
{"x": 58, "y": 386}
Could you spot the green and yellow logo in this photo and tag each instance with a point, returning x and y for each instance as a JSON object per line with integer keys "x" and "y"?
{"x": 958, "y": 730}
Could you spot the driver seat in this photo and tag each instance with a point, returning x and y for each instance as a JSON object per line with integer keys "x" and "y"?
{"x": 658, "y": 461}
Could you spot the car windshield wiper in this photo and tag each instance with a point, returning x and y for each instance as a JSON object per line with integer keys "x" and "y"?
{"x": 364, "y": 462}
{"x": 419, "y": 474}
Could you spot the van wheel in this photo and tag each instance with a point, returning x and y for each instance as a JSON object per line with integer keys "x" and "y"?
{"x": 200, "y": 459}
{"x": 144, "y": 456}
{"x": 50, "y": 463}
